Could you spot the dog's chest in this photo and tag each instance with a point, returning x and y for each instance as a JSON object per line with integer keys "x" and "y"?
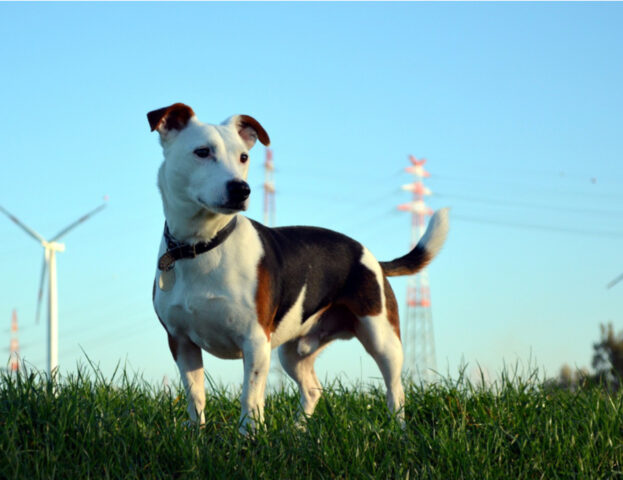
{"x": 211, "y": 299}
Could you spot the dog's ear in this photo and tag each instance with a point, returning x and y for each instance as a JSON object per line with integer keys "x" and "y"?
{"x": 249, "y": 130}
{"x": 173, "y": 117}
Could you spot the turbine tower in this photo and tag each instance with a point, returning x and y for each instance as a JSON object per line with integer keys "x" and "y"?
{"x": 419, "y": 340}
{"x": 50, "y": 247}
{"x": 614, "y": 281}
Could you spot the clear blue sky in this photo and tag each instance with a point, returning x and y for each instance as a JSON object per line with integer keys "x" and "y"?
{"x": 517, "y": 107}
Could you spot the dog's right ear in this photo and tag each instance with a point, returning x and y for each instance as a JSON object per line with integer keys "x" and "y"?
{"x": 172, "y": 118}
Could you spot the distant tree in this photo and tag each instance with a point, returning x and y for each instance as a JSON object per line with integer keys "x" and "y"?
{"x": 569, "y": 378}
{"x": 566, "y": 378}
{"x": 608, "y": 358}
{"x": 607, "y": 365}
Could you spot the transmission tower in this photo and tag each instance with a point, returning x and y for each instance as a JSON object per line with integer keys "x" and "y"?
{"x": 14, "y": 345}
{"x": 276, "y": 372}
{"x": 269, "y": 190}
{"x": 418, "y": 338}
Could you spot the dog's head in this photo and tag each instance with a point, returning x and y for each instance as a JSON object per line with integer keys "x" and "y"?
{"x": 206, "y": 164}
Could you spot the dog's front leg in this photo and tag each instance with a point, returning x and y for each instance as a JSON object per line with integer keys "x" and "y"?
{"x": 256, "y": 359}
{"x": 187, "y": 355}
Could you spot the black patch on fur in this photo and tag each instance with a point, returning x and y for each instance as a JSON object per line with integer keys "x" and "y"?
{"x": 328, "y": 262}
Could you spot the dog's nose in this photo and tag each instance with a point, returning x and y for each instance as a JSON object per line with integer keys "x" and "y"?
{"x": 238, "y": 190}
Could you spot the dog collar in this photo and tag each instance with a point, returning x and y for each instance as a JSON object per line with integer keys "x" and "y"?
{"x": 177, "y": 250}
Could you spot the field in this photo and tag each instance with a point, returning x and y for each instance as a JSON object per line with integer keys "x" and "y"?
{"x": 92, "y": 427}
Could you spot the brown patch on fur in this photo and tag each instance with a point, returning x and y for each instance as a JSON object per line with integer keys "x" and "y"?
{"x": 391, "y": 307}
{"x": 248, "y": 121}
{"x": 264, "y": 307}
{"x": 173, "y": 117}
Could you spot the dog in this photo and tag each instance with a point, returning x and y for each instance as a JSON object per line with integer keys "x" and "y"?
{"x": 237, "y": 289}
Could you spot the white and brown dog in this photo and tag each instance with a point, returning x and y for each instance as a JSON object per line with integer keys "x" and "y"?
{"x": 237, "y": 289}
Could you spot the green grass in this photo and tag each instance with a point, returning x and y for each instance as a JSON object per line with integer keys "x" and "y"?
{"x": 124, "y": 428}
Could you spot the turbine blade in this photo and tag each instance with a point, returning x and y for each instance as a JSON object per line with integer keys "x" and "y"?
{"x": 73, "y": 225}
{"x": 615, "y": 281}
{"x": 28, "y": 230}
{"x": 44, "y": 269}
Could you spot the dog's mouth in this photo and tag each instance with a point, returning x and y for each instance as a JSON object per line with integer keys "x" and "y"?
{"x": 235, "y": 206}
{"x": 232, "y": 207}
{"x": 225, "y": 208}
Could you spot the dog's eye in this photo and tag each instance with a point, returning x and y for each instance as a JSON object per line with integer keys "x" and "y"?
{"x": 244, "y": 157}
{"x": 202, "y": 152}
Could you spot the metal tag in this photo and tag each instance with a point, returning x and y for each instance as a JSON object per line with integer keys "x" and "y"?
{"x": 166, "y": 262}
{"x": 166, "y": 280}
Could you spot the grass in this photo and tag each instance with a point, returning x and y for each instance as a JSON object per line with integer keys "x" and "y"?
{"x": 90, "y": 427}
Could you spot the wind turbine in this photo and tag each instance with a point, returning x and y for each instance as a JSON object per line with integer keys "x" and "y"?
{"x": 50, "y": 247}
{"x": 613, "y": 282}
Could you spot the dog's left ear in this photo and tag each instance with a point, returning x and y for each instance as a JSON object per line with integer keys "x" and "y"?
{"x": 249, "y": 130}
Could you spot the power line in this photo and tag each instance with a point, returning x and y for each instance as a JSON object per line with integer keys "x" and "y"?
{"x": 498, "y": 202}
{"x": 467, "y": 179}
{"x": 103, "y": 341}
{"x": 551, "y": 228}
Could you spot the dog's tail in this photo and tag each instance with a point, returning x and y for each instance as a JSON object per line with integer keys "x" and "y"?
{"x": 426, "y": 249}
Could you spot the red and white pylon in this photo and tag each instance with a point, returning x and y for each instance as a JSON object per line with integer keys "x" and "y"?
{"x": 276, "y": 371}
{"x": 418, "y": 337}
{"x": 14, "y": 345}
{"x": 269, "y": 190}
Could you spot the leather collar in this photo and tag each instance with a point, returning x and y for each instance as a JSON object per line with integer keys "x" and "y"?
{"x": 177, "y": 250}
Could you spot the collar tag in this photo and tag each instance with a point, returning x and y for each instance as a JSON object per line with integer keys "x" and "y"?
{"x": 166, "y": 262}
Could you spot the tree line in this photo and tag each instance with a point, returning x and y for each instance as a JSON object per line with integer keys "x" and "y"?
{"x": 607, "y": 364}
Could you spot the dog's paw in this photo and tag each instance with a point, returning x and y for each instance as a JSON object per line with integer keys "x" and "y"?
{"x": 192, "y": 425}
{"x": 301, "y": 424}
{"x": 247, "y": 430}
{"x": 248, "y": 427}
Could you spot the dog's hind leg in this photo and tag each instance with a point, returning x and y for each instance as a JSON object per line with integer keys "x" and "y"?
{"x": 382, "y": 342}
{"x": 372, "y": 300}
{"x": 187, "y": 355}
{"x": 256, "y": 359}
{"x": 301, "y": 369}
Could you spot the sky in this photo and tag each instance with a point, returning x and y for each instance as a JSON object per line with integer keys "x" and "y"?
{"x": 517, "y": 108}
